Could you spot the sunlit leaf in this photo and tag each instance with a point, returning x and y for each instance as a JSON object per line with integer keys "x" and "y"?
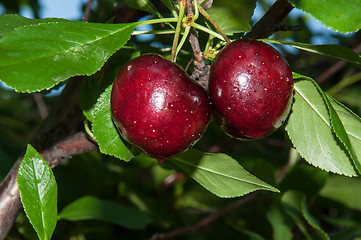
{"x": 38, "y": 192}
{"x": 218, "y": 173}
{"x": 310, "y": 130}
{"x": 105, "y": 132}
{"x": 8, "y": 22}
{"x": 233, "y": 16}
{"x": 37, "y": 57}
{"x": 343, "y": 16}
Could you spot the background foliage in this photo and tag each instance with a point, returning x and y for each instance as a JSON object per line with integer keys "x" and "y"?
{"x": 115, "y": 192}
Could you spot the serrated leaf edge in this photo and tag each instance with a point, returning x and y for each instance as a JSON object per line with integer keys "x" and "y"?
{"x": 260, "y": 187}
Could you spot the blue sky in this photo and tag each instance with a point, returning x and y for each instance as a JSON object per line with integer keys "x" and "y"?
{"x": 69, "y": 9}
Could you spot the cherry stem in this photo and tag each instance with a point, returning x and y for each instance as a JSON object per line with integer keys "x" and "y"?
{"x": 184, "y": 38}
{"x": 210, "y": 19}
{"x": 182, "y": 7}
{"x": 167, "y": 31}
{"x": 157, "y": 20}
{"x": 207, "y": 30}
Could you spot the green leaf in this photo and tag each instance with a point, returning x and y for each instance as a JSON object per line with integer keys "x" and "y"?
{"x": 88, "y": 207}
{"x": 218, "y": 173}
{"x": 233, "y": 16}
{"x": 280, "y": 222}
{"x": 304, "y": 178}
{"x": 144, "y": 5}
{"x": 343, "y": 190}
{"x": 168, "y": 4}
{"x": 38, "y": 192}
{"x": 37, "y": 57}
{"x": 340, "y": 15}
{"x": 94, "y": 86}
{"x": 352, "y": 125}
{"x": 331, "y": 50}
{"x": 296, "y": 205}
{"x": 309, "y": 128}
{"x": 104, "y": 130}
{"x": 8, "y": 22}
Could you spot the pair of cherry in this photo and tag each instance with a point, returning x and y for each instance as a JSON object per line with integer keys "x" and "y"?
{"x": 159, "y": 108}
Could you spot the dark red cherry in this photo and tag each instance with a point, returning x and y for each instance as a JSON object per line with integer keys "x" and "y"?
{"x": 251, "y": 89}
{"x": 158, "y": 107}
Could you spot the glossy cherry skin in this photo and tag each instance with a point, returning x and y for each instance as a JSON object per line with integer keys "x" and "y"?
{"x": 158, "y": 107}
{"x": 251, "y": 89}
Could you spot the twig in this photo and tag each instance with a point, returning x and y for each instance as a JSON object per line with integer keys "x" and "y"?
{"x": 41, "y": 105}
{"x": 201, "y": 70}
{"x": 59, "y": 137}
{"x": 267, "y": 25}
{"x": 335, "y": 67}
{"x": 204, "y": 222}
{"x": 87, "y": 11}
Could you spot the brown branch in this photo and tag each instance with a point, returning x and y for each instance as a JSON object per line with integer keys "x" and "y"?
{"x": 201, "y": 70}
{"x": 269, "y": 23}
{"x": 335, "y": 67}
{"x": 10, "y": 204}
{"x": 206, "y": 221}
{"x": 87, "y": 11}
{"x": 59, "y": 137}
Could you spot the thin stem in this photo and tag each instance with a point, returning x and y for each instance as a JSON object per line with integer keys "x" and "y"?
{"x": 184, "y": 38}
{"x": 154, "y": 21}
{"x": 196, "y": 10}
{"x": 168, "y": 31}
{"x": 177, "y": 30}
{"x": 207, "y": 30}
{"x": 210, "y": 19}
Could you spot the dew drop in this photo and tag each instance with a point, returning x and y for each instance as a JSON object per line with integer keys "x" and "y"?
{"x": 129, "y": 67}
{"x": 155, "y": 61}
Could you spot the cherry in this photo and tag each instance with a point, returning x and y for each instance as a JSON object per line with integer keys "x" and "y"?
{"x": 251, "y": 89}
{"x": 158, "y": 107}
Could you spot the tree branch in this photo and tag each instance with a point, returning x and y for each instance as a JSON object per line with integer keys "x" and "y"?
{"x": 59, "y": 137}
{"x": 204, "y": 222}
{"x": 269, "y": 23}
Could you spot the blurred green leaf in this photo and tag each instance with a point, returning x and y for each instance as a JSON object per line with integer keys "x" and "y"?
{"x": 168, "y": 4}
{"x": 38, "y": 192}
{"x": 89, "y": 207}
{"x": 304, "y": 178}
{"x": 343, "y": 16}
{"x": 343, "y": 190}
{"x": 280, "y": 222}
{"x": 144, "y": 5}
{"x": 37, "y": 57}
{"x": 233, "y": 16}
{"x": 296, "y": 205}
{"x": 105, "y": 133}
{"x": 218, "y": 173}
{"x": 311, "y": 133}
{"x": 331, "y": 50}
